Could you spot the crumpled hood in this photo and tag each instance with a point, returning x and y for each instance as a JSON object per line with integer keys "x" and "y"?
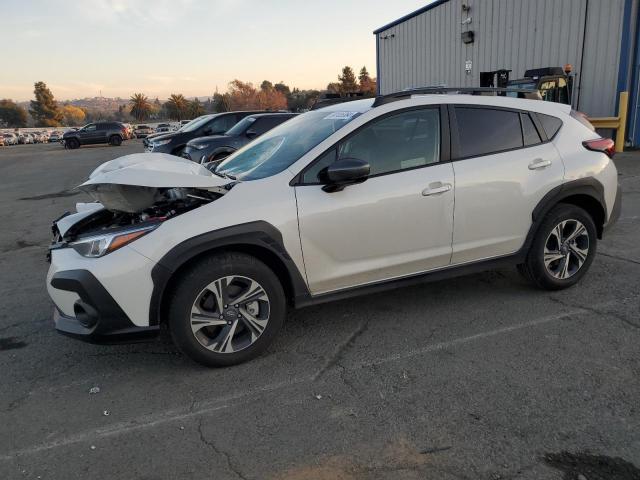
{"x": 159, "y": 170}
{"x": 135, "y": 182}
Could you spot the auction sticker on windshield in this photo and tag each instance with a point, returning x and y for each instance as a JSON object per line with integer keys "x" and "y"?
{"x": 340, "y": 115}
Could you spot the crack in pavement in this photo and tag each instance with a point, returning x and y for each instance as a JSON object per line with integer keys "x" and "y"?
{"x": 210, "y": 407}
{"x": 619, "y": 258}
{"x": 219, "y": 452}
{"x": 335, "y": 358}
{"x": 595, "y": 310}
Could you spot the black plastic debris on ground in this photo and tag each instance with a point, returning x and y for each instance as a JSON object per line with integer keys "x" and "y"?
{"x": 586, "y": 466}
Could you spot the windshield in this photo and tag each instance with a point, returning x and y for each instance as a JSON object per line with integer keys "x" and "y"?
{"x": 281, "y": 147}
{"x": 196, "y": 123}
{"x": 241, "y": 126}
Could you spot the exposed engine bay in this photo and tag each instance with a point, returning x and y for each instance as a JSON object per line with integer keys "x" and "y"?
{"x": 138, "y": 190}
{"x": 160, "y": 205}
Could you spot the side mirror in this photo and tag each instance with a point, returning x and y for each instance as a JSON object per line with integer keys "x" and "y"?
{"x": 251, "y": 133}
{"x": 346, "y": 171}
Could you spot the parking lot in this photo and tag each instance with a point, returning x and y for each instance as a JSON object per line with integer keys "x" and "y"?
{"x": 479, "y": 377}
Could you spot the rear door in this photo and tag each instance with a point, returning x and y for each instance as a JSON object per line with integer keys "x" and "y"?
{"x": 398, "y": 222}
{"x": 503, "y": 167}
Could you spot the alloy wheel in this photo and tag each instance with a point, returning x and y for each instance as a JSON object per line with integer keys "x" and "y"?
{"x": 230, "y": 314}
{"x": 566, "y": 249}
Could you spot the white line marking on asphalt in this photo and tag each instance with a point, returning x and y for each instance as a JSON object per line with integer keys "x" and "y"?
{"x": 231, "y": 401}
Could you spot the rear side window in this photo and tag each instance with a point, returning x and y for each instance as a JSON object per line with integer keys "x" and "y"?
{"x": 529, "y": 132}
{"x": 483, "y": 131}
{"x": 550, "y": 124}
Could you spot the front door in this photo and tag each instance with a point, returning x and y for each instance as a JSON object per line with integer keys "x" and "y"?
{"x": 397, "y": 223}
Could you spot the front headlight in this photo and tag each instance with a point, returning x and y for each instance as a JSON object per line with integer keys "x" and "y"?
{"x": 199, "y": 146}
{"x": 160, "y": 142}
{"x": 99, "y": 245}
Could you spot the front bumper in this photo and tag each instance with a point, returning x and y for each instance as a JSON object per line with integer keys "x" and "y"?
{"x": 615, "y": 211}
{"x": 98, "y": 317}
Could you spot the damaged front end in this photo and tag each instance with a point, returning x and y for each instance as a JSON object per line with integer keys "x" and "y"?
{"x": 134, "y": 195}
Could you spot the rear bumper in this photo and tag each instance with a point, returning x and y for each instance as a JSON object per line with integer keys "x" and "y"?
{"x": 98, "y": 317}
{"x": 615, "y": 211}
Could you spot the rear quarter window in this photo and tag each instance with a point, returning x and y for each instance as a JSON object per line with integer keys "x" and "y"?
{"x": 550, "y": 124}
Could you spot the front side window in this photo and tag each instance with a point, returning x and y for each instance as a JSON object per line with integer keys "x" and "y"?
{"x": 90, "y": 128}
{"x": 483, "y": 131}
{"x": 280, "y": 147}
{"x": 398, "y": 142}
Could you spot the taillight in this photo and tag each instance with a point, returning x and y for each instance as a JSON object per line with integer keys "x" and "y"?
{"x": 583, "y": 119}
{"x": 604, "y": 145}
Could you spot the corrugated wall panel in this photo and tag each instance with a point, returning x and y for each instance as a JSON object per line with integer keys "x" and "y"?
{"x": 512, "y": 34}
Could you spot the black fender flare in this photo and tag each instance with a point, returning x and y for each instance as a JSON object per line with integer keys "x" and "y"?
{"x": 584, "y": 186}
{"x": 258, "y": 236}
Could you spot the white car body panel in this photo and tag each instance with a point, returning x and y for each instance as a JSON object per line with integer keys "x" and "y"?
{"x": 159, "y": 170}
{"x": 125, "y": 274}
{"x": 495, "y": 197}
{"x": 382, "y": 228}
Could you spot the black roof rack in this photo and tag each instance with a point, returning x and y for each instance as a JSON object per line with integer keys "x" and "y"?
{"x": 392, "y": 97}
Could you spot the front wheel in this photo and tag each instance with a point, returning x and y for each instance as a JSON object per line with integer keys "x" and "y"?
{"x": 226, "y": 309}
{"x": 562, "y": 250}
{"x": 72, "y": 143}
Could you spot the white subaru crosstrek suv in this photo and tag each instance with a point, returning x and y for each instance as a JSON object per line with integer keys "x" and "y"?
{"x": 345, "y": 200}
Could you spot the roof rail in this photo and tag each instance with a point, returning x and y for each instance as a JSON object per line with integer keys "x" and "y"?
{"x": 392, "y": 97}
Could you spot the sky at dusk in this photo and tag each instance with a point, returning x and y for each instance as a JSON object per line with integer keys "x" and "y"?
{"x": 159, "y": 47}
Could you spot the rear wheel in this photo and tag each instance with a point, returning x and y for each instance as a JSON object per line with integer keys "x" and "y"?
{"x": 562, "y": 250}
{"x": 226, "y": 309}
{"x": 115, "y": 140}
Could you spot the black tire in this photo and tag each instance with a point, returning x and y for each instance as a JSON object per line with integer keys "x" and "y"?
{"x": 190, "y": 288}
{"x": 536, "y": 271}
{"x": 115, "y": 140}
{"x": 72, "y": 143}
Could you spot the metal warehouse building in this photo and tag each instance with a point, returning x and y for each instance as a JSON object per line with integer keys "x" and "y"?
{"x": 450, "y": 42}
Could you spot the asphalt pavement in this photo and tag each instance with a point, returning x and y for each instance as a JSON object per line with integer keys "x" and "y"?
{"x": 478, "y": 377}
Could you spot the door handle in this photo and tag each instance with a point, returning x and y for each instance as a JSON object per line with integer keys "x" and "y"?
{"x": 436, "y": 188}
{"x": 539, "y": 163}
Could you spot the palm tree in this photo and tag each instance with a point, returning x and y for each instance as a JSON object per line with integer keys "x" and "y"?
{"x": 140, "y": 106}
{"x": 177, "y": 106}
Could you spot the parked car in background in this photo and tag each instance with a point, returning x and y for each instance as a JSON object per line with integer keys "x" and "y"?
{"x": 25, "y": 138}
{"x": 112, "y": 133}
{"x": 216, "y": 147}
{"x": 163, "y": 127}
{"x": 55, "y": 136}
{"x": 10, "y": 138}
{"x": 213, "y": 124}
{"x": 2, "y": 144}
{"x": 142, "y": 131}
{"x": 183, "y": 123}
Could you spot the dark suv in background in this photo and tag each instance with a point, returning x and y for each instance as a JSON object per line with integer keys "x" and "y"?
{"x": 213, "y": 124}
{"x": 112, "y": 133}
{"x": 217, "y": 147}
